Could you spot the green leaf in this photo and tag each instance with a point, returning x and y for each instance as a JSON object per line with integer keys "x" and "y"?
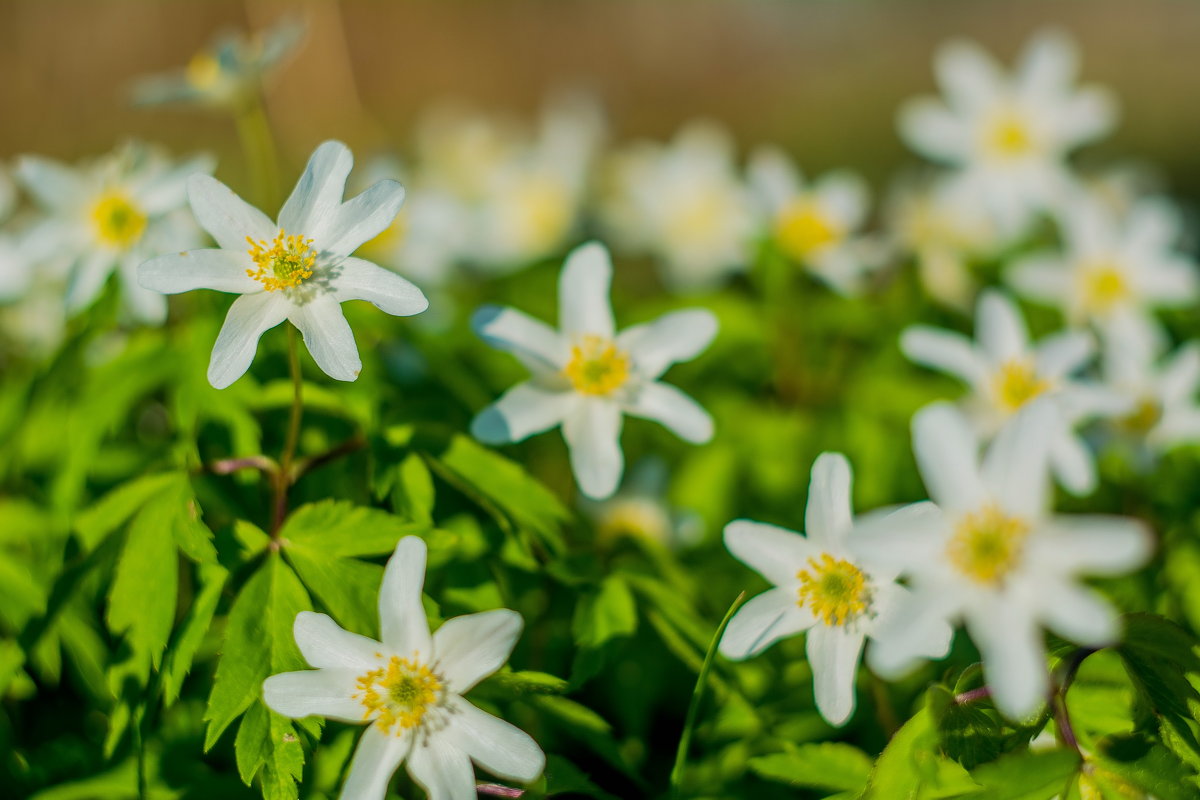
{"x": 563, "y": 777}
{"x": 112, "y": 510}
{"x": 336, "y": 528}
{"x": 969, "y": 733}
{"x": 258, "y": 643}
{"x": 412, "y": 493}
{"x": 348, "y": 588}
{"x": 1148, "y": 766}
{"x": 828, "y": 765}
{"x": 191, "y": 632}
{"x": 252, "y": 741}
{"x": 1027, "y": 775}
{"x": 511, "y": 683}
{"x": 585, "y": 725}
{"x": 608, "y": 613}
{"x": 911, "y": 766}
{"x": 1160, "y": 658}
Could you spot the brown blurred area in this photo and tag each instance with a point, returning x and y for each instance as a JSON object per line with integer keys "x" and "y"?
{"x": 822, "y": 78}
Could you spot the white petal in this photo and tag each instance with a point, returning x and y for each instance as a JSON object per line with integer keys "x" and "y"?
{"x": 828, "y": 514}
{"x": 1079, "y": 614}
{"x": 499, "y": 747}
{"x": 763, "y": 620}
{"x": 773, "y": 177}
{"x": 775, "y": 553}
{"x": 321, "y": 692}
{"x": 221, "y": 270}
{"x": 677, "y": 412}
{"x": 935, "y": 132}
{"x": 1048, "y": 65}
{"x": 670, "y": 339}
{"x": 593, "y": 432}
{"x": 52, "y": 184}
{"x": 442, "y": 770}
{"x": 328, "y": 337}
{"x": 1000, "y": 328}
{"x": 1014, "y": 657}
{"x": 325, "y": 644}
{"x": 144, "y": 305}
{"x": 1181, "y": 376}
{"x": 88, "y": 279}
{"x": 375, "y": 761}
{"x": 471, "y": 647}
{"x": 168, "y": 189}
{"x": 1172, "y": 282}
{"x": 314, "y": 203}
{"x": 947, "y": 456}
{"x": 524, "y": 410}
{"x": 1015, "y": 468}
{"x": 583, "y": 287}
{"x": 915, "y": 628}
{"x": 1086, "y": 115}
{"x": 1065, "y": 353}
{"x": 228, "y": 218}
{"x": 249, "y": 317}
{"x": 357, "y": 279}
{"x": 967, "y": 74}
{"x": 1072, "y": 463}
{"x": 536, "y": 344}
{"x": 944, "y": 350}
{"x": 362, "y": 218}
{"x": 846, "y": 197}
{"x": 898, "y": 540}
{"x": 1093, "y": 544}
{"x": 402, "y": 621}
{"x": 1043, "y": 278}
{"x": 833, "y": 653}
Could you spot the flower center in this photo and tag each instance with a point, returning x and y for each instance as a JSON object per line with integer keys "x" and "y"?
{"x": 1016, "y": 383}
{"x": 399, "y": 694}
{"x": 1144, "y": 417}
{"x": 635, "y": 517}
{"x": 543, "y": 213}
{"x": 802, "y": 228}
{"x": 1009, "y": 136}
{"x": 119, "y": 223}
{"x": 597, "y": 366}
{"x": 1104, "y": 286}
{"x": 203, "y": 71}
{"x": 987, "y": 545}
{"x": 284, "y": 263}
{"x": 697, "y": 217}
{"x": 834, "y": 590}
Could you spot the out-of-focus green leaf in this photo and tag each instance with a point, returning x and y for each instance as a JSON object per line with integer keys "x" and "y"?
{"x": 1026, "y": 775}
{"x": 828, "y": 765}
{"x": 1148, "y": 766}
{"x": 336, "y": 528}
{"x": 112, "y": 510}
{"x": 1160, "y": 658}
{"x": 911, "y": 766}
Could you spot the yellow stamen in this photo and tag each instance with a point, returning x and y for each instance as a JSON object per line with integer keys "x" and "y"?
{"x": 1009, "y": 136}
{"x": 119, "y": 223}
{"x": 285, "y": 263}
{"x": 400, "y": 694}
{"x": 1104, "y": 286}
{"x": 802, "y": 228}
{"x": 203, "y": 70}
{"x": 1145, "y": 416}
{"x": 597, "y": 366}
{"x": 834, "y": 590}
{"x": 1016, "y": 383}
{"x": 986, "y": 545}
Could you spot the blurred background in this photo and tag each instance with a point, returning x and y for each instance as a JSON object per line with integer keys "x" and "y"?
{"x": 822, "y": 79}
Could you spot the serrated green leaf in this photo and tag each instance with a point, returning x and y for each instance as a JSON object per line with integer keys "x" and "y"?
{"x": 112, "y": 510}
{"x": 1026, "y": 775}
{"x": 969, "y": 733}
{"x": 191, "y": 631}
{"x": 348, "y": 588}
{"x": 911, "y": 766}
{"x": 1159, "y": 657}
{"x": 336, "y": 528}
{"x": 828, "y": 765}
{"x": 1148, "y": 766}
{"x": 412, "y": 494}
{"x": 252, "y": 741}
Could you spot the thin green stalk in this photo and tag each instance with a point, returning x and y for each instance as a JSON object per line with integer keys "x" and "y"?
{"x": 689, "y": 723}
{"x": 284, "y": 477}
{"x": 258, "y": 146}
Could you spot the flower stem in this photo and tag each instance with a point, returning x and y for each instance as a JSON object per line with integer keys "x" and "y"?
{"x": 285, "y": 477}
{"x": 1062, "y": 719}
{"x": 258, "y": 146}
{"x": 685, "y": 739}
{"x": 971, "y": 695}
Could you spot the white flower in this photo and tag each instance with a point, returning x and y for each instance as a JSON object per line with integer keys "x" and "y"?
{"x": 944, "y": 227}
{"x": 585, "y": 375}
{"x": 640, "y": 510}
{"x": 1114, "y": 268}
{"x": 1161, "y": 392}
{"x": 988, "y": 551}
{"x": 1008, "y": 136}
{"x": 821, "y": 587}
{"x": 1006, "y": 372}
{"x": 228, "y": 73}
{"x": 408, "y": 688}
{"x": 109, "y": 216}
{"x": 815, "y": 225}
{"x": 684, "y": 204}
{"x": 299, "y": 270}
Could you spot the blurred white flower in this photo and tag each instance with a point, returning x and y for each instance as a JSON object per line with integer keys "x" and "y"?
{"x": 1161, "y": 392}
{"x": 299, "y": 270}
{"x": 944, "y": 227}
{"x": 683, "y": 204}
{"x": 585, "y": 375}
{"x": 819, "y": 586}
{"x": 988, "y": 551}
{"x": 1114, "y": 270}
{"x": 1009, "y": 135}
{"x": 108, "y": 216}
{"x": 8, "y": 193}
{"x": 408, "y": 689}
{"x": 1006, "y": 372}
{"x": 228, "y": 73}
{"x": 640, "y": 510}
{"x": 817, "y": 224}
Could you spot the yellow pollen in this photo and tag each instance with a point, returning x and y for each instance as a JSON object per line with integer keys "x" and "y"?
{"x": 597, "y": 366}
{"x": 284, "y": 263}
{"x": 1104, "y": 286}
{"x": 400, "y": 694}
{"x": 1016, "y": 383}
{"x": 987, "y": 545}
{"x": 1009, "y": 136}
{"x": 118, "y": 221}
{"x": 834, "y": 590}
{"x": 802, "y": 228}
{"x": 203, "y": 70}
{"x": 1145, "y": 416}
